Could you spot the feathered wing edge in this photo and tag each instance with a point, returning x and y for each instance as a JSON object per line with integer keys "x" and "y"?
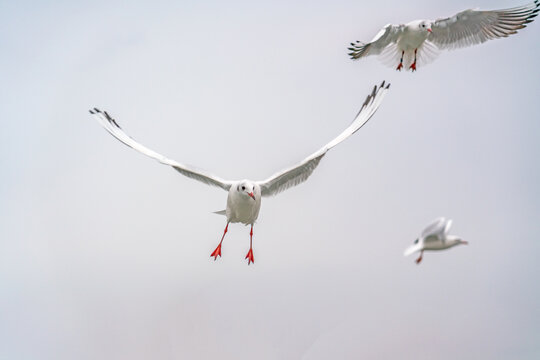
{"x": 447, "y": 226}
{"x": 387, "y": 36}
{"x": 299, "y": 173}
{"x": 115, "y": 130}
{"x": 436, "y": 227}
{"x": 358, "y": 49}
{"x": 453, "y": 33}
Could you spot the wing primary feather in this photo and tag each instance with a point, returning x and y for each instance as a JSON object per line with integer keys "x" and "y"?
{"x": 387, "y": 36}
{"x": 358, "y": 50}
{"x": 471, "y": 27}
{"x": 299, "y": 173}
{"x": 110, "y": 124}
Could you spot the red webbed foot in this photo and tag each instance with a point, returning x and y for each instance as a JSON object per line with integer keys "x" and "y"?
{"x": 216, "y": 252}
{"x": 413, "y": 66}
{"x": 249, "y": 256}
{"x": 399, "y": 67}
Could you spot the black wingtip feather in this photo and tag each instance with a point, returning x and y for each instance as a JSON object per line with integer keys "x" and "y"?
{"x": 111, "y": 120}
{"x": 370, "y": 98}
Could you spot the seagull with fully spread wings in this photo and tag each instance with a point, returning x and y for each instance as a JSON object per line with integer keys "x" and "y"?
{"x": 422, "y": 39}
{"x": 434, "y": 237}
{"x": 244, "y": 196}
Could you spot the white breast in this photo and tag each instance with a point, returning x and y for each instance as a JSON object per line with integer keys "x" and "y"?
{"x": 412, "y": 37}
{"x": 243, "y": 209}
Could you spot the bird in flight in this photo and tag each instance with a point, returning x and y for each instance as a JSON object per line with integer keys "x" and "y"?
{"x": 434, "y": 237}
{"x": 421, "y": 40}
{"x": 244, "y": 196}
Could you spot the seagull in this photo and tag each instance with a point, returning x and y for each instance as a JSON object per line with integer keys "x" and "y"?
{"x": 434, "y": 237}
{"x": 244, "y": 196}
{"x": 422, "y": 39}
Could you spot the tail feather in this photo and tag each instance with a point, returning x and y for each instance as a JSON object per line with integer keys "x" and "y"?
{"x": 412, "y": 249}
{"x": 221, "y": 212}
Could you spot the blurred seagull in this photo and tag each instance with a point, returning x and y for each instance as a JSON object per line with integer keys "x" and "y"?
{"x": 244, "y": 196}
{"x": 422, "y": 39}
{"x": 434, "y": 237}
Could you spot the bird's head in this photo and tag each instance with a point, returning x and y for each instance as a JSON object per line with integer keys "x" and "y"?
{"x": 248, "y": 189}
{"x": 456, "y": 241}
{"x": 425, "y": 25}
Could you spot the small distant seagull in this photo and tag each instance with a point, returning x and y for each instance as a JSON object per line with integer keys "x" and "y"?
{"x": 434, "y": 237}
{"x": 244, "y": 199}
{"x": 422, "y": 39}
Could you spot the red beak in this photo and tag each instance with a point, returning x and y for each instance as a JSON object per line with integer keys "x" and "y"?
{"x": 464, "y": 242}
{"x": 251, "y": 195}
{"x": 429, "y": 30}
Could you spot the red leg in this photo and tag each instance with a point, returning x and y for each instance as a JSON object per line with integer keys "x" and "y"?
{"x": 420, "y": 258}
{"x": 413, "y": 65}
{"x": 400, "y": 66}
{"x": 249, "y": 255}
{"x": 217, "y": 252}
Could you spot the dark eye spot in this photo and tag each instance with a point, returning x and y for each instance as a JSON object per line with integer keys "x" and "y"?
{"x": 423, "y": 25}
{"x": 243, "y": 187}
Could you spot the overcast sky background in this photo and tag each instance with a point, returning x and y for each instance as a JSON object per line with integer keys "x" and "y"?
{"x": 104, "y": 253}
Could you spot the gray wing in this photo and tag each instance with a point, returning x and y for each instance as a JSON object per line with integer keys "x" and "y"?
{"x": 430, "y": 239}
{"x": 436, "y": 228}
{"x": 300, "y": 172}
{"x": 471, "y": 27}
{"x": 114, "y": 129}
{"x": 388, "y": 35}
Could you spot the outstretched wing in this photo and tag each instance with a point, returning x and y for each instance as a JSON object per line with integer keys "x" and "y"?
{"x": 387, "y": 36}
{"x": 435, "y": 228}
{"x": 114, "y": 129}
{"x": 447, "y": 226}
{"x": 471, "y": 27}
{"x": 300, "y": 172}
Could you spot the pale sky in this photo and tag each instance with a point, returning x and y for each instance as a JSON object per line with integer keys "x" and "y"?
{"x": 104, "y": 253}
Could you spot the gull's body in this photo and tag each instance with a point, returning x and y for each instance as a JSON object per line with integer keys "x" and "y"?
{"x": 242, "y": 209}
{"x": 435, "y": 237}
{"x": 422, "y": 39}
{"x": 412, "y": 36}
{"x": 244, "y": 196}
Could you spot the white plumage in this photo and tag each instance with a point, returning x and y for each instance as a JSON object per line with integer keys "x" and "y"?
{"x": 244, "y": 196}
{"x": 434, "y": 237}
{"x": 419, "y": 41}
